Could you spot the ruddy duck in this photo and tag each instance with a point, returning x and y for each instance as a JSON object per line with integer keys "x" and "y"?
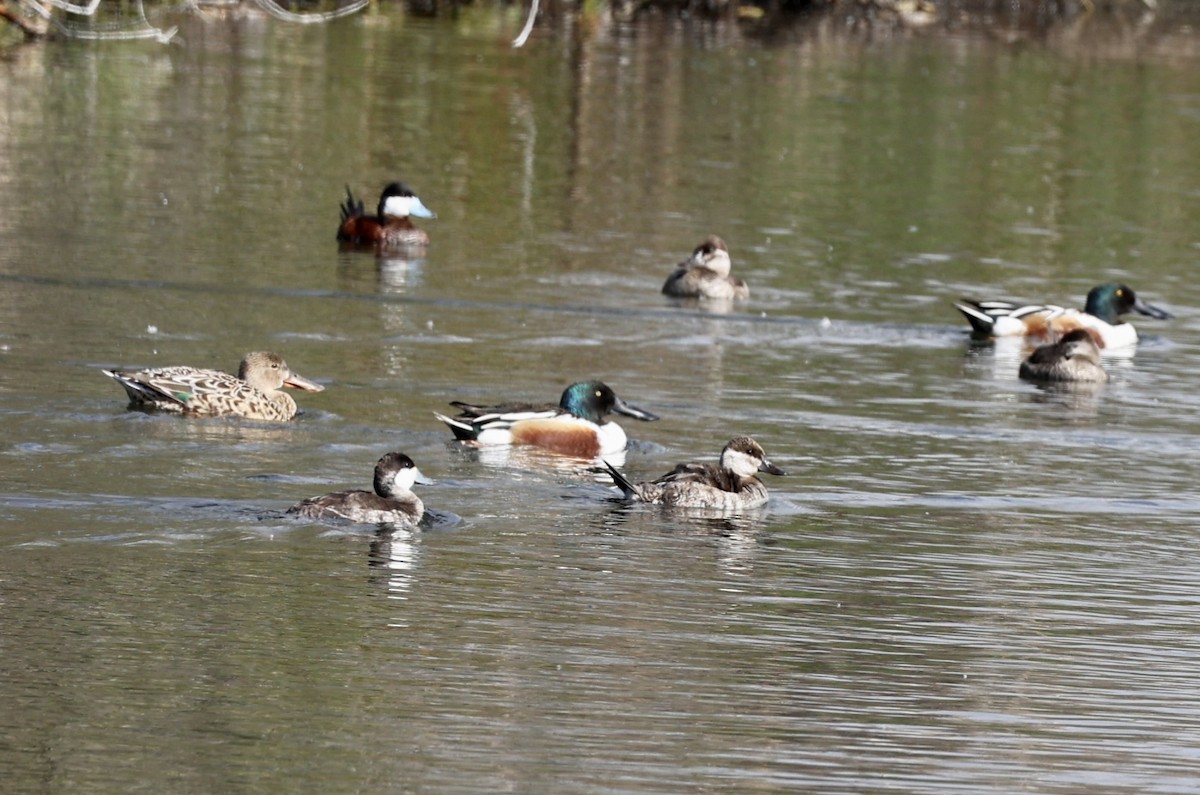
{"x": 392, "y": 501}
{"x": 706, "y": 274}
{"x": 1102, "y": 315}
{"x": 576, "y": 426}
{"x": 729, "y": 485}
{"x": 1075, "y": 357}
{"x": 390, "y": 227}
{"x": 254, "y": 393}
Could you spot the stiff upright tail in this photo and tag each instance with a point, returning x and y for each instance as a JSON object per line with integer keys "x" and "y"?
{"x": 352, "y": 207}
{"x": 620, "y": 481}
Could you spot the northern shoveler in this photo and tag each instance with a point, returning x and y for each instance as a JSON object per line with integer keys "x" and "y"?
{"x": 392, "y": 501}
{"x": 706, "y": 274}
{"x": 1075, "y": 357}
{"x": 729, "y": 485}
{"x": 390, "y": 226}
{"x": 576, "y": 426}
{"x": 255, "y": 393}
{"x": 1101, "y": 316}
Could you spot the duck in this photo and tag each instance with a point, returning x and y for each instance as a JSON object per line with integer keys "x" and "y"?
{"x": 577, "y": 426}
{"x": 255, "y": 393}
{"x": 392, "y": 501}
{"x": 1075, "y": 357}
{"x": 1101, "y": 315}
{"x": 730, "y": 485}
{"x": 706, "y": 274}
{"x": 390, "y": 226}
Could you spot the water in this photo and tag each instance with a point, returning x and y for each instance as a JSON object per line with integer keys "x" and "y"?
{"x": 965, "y": 584}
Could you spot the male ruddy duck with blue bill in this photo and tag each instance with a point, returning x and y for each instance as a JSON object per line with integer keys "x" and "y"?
{"x": 392, "y": 501}
{"x": 730, "y": 485}
{"x": 706, "y": 274}
{"x": 577, "y": 426}
{"x": 255, "y": 393}
{"x": 1101, "y": 316}
{"x": 390, "y": 227}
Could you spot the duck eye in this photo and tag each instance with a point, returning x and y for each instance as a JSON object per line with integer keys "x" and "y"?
{"x": 597, "y": 393}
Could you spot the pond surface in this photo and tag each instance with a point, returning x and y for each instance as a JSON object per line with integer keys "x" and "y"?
{"x": 965, "y": 584}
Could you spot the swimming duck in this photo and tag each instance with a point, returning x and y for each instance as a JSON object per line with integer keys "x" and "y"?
{"x": 729, "y": 485}
{"x": 392, "y": 501}
{"x": 576, "y": 426}
{"x": 254, "y": 393}
{"x": 1075, "y": 357}
{"x": 706, "y": 274}
{"x": 390, "y": 226}
{"x": 1102, "y": 315}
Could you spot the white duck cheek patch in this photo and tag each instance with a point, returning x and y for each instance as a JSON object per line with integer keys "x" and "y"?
{"x": 399, "y": 206}
{"x": 740, "y": 463}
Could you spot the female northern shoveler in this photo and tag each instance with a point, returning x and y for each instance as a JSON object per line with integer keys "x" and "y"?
{"x": 1101, "y": 315}
{"x": 706, "y": 274}
{"x": 576, "y": 426}
{"x": 254, "y": 394}
{"x": 390, "y": 226}
{"x": 729, "y": 485}
{"x": 392, "y": 501}
{"x": 1075, "y": 357}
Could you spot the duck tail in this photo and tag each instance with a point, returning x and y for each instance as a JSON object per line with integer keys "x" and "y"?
{"x": 981, "y": 322}
{"x": 464, "y": 432}
{"x": 620, "y": 481}
{"x": 352, "y": 207}
{"x": 142, "y": 394}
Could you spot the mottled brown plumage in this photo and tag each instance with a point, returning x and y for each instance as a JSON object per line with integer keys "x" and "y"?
{"x": 254, "y": 393}
{"x": 730, "y": 485}
{"x": 1075, "y": 357}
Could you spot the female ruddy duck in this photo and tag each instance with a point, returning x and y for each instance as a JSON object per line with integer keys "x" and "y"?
{"x": 706, "y": 274}
{"x": 390, "y": 226}
{"x": 576, "y": 426}
{"x": 255, "y": 393}
{"x": 1102, "y": 314}
{"x": 1075, "y": 357}
{"x": 392, "y": 501}
{"x": 729, "y": 485}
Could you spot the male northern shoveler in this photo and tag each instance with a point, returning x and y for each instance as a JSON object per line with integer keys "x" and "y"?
{"x": 255, "y": 393}
{"x": 576, "y": 426}
{"x": 390, "y": 226}
{"x": 706, "y": 274}
{"x": 1101, "y": 316}
{"x": 392, "y": 501}
{"x": 1075, "y": 357}
{"x": 729, "y": 485}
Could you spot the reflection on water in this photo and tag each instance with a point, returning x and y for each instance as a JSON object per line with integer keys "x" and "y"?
{"x": 969, "y": 583}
